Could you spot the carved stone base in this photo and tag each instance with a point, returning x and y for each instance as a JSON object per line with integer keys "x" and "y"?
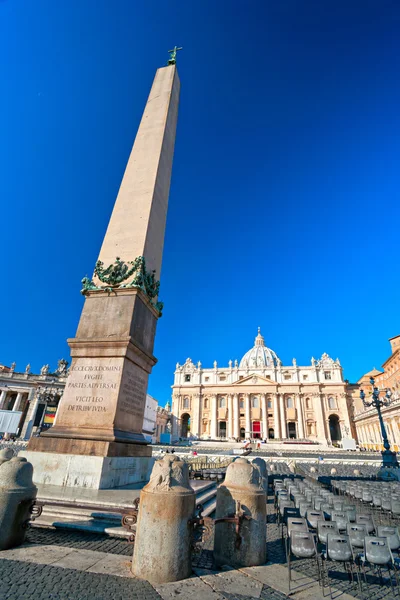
{"x": 89, "y": 472}
{"x": 87, "y": 447}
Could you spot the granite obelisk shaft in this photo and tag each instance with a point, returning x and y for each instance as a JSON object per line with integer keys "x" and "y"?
{"x": 101, "y": 412}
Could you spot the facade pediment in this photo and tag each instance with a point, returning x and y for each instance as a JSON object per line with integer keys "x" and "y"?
{"x": 254, "y": 379}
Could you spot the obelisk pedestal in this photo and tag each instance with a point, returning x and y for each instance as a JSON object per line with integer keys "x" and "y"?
{"x": 97, "y": 440}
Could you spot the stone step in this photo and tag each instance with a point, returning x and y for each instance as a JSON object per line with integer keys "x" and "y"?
{"x": 81, "y": 519}
{"x": 207, "y": 496}
{"x": 209, "y": 510}
{"x": 80, "y": 514}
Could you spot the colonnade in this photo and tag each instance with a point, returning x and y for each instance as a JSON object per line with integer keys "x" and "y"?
{"x": 369, "y": 434}
{"x": 18, "y": 402}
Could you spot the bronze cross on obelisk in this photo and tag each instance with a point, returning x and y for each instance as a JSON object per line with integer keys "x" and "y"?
{"x": 172, "y": 55}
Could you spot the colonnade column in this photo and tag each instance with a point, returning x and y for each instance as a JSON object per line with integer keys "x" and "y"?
{"x": 360, "y": 434}
{"x": 3, "y": 398}
{"x": 33, "y": 400}
{"x": 277, "y": 423}
{"x": 299, "y": 417}
{"x": 248, "y": 415}
{"x": 213, "y": 417}
{"x": 264, "y": 416}
{"x": 230, "y": 416}
{"x": 236, "y": 417}
{"x": 18, "y": 401}
{"x": 396, "y": 433}
{"x": 371, "y": 434}
{"x": 378, "y": 434}
{"x": 283, "y": 419}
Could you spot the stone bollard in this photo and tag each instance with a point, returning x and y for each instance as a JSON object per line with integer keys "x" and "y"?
{"x": 262, "y": 469}
{"x": 5, "y": 455}
{"x": 162, "y": 551}
{"x": 240, "y": 524}
{"x": 17, "y": 494}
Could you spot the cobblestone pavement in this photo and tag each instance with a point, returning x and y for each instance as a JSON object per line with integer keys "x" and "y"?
{"x": 23, "y": 581}
{"x": 77, "y": 539}
{"x": 374, "y": 589}
{"x": 31, "y": 581}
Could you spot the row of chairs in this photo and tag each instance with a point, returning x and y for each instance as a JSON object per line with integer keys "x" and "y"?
{"x": 382, "y": 497}
{"x": 317, "y": 529}
{"x": 327, "y": 470}
{"x": 217, "y": 476}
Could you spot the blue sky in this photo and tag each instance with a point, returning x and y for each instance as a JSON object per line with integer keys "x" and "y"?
{"x": 284, "y": 204}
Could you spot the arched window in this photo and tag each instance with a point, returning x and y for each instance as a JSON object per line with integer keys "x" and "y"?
{"x": 308, "y": 403}
{"x": 269, "y": 402}
{"x": 290, "y": 403}
{"x": 186, "y": 402}
{"x": 205, "y": 402}
{"x": 222, "y": 402}
{"x": 331, "y": 402}
{"x": 255, "y": 402}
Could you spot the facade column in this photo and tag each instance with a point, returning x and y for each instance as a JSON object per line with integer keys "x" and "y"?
{"x": 3, "y": 398}
{"x": 214, "y": 417}
{"x": 236, "y": 416}
{"x": 196, "y": 412}
{"x": 248, "y": 416}
{"x": 230, "y": 416}
{"x": 283, "y": 417}
{"x": 264, "y": 416}
{"x": 277, "y": 422}
{"x": 299, "y": 417}
{"x": 319, "y": 412}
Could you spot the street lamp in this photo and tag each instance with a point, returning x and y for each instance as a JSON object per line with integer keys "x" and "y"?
{"x": 389, "y": 458}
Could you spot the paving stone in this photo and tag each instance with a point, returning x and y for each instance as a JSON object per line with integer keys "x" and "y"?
{"x": 187, "y": 590}
{"x": 36, "y": 554}
{"x": 234, "y": 583}
{"x": 80, "y": 560}
{"x": 113, "y": 564}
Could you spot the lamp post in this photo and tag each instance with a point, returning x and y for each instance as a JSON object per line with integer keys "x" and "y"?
{"x": 389, "y": 458}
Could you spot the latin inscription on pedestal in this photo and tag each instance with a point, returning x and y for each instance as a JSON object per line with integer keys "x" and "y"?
{"x": 103, "y": 391}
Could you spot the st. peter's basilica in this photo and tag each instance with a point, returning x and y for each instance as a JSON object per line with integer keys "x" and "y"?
{"x": 259, "y": 397}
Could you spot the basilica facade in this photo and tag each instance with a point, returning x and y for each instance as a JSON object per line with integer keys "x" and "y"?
{"x": 259, "y": 397}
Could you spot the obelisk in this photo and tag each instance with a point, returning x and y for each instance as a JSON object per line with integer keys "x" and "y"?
{"x": 101, "y": 412}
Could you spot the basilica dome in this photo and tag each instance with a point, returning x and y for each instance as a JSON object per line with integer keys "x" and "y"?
{"x": 259, "y": 357}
